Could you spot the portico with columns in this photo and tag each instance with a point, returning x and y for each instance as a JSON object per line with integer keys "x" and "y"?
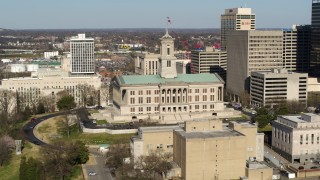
{"x": 167, "y": 94}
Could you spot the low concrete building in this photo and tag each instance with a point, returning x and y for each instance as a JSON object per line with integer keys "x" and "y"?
{"x": 152, "y": 139}
{"x": 203, "y": 149}
{"x": 297, "y": 137}
{"x": 256, "y": 170}
{"x": 269, "y": 88}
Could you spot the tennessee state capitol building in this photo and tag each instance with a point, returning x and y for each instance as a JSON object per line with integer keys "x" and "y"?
{"x": 168, "y": 96}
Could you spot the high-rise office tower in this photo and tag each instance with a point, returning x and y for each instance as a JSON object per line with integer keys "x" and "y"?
{"x": 303, "y": 48}
{"x": 315, "y": 38}
{"x": 250, "y": 51}
{"x": 290, "y": 49}
{"x": 209, "y": 61}
{"x": 82, "y": 55}
{"x": 236, "y": 19}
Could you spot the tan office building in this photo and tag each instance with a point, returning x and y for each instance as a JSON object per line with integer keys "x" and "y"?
{"x": 290, "y": 48}
{"x": 204, "y": 149}
{"x": 269, "y": 88}
{"x": 297, "y": 137}
{"x": 236, "y": 19}
{"x": 209, "y": 61}
{"x": 250, "y": 51}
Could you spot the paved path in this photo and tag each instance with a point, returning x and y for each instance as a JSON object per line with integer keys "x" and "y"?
{"x": 29, "y": 128}
{"x": 274, "y": 157}
{"x": 103, "y": 172}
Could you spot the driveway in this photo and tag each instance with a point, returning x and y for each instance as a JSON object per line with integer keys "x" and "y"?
{"x": 99, "y": 167}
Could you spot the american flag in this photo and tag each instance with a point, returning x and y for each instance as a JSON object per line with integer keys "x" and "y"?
{"x": 169, "y": 20}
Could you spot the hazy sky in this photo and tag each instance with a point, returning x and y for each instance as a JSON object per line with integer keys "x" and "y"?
{"x": 64, "y": 14}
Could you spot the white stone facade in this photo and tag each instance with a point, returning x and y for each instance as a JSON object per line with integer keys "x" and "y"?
{"x": 167, "y": 95}
{"x": 297, "y": 137}
{"x": 33, "y": 88}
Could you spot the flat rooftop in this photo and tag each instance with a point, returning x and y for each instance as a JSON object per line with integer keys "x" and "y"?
{"x": 159, "y": 128}
{"x": 210, "y": 134}
{"x": 304, "y": 118}
{"x": 256, "y": 165}
{"x": 295, "y": 118}
{"x": 182, "y": 78}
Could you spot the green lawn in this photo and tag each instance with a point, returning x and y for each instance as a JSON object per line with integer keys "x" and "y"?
{"x": 101, "y": 122}
{"x": 11, "y": 170}
{"x": 102, "y": 138}
{"x": 266, "y": 128}
{"x": 44, "y": 128}
{"x": 91, "y": 111}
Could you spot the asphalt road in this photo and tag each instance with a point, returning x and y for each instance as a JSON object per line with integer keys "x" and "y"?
{"x": 29, "y": 127}
{"x": 101, "y": 170}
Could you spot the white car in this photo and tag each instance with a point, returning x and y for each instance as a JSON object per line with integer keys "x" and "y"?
{"x": 92, "y": 173}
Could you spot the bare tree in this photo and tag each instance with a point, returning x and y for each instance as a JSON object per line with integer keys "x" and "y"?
{"x": 295, "y": 106}
{"x": 48, "y": 102}
{"x": 56, "y": 161}
{"x": 88, "y": 94}
{"x": 67, "y": 122}
{"x": 245, "y": 99}
{"x": 7, "y": 107}
{"x": 7, "y": 101}
{"x": 105, "y": 93}
{"x": 6, "y": 146}
{"x": 156, "y": 163}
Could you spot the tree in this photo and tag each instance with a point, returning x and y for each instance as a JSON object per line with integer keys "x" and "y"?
{"x": 40, "y": 108}
{"x": 263, "y": 117}
{"x": 66, "y": 103}
{"x": 56, "y": 162}
{"x": 313, "y": 99}
{"x": 67, "y": 122}
{"x": 245, "y": 99}
{"x": 31, "y": 169}
{"x": 78, "y": 153}
{"x": 117, "y": 153}
{"x": 6, "y": 146}
{"x": 295, "y": 107}
{"x": 282, "y": 110}
{"x": 48, "y": 103}
{"x": 7, "y": 107}
{"x": 263, "y": 120}
{"x": 89, "y": 96}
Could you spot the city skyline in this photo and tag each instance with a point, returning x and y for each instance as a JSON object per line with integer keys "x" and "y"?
{"x": 36, "y": 14}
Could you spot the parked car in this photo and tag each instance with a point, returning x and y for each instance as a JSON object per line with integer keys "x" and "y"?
{"x": 92, "y": 173}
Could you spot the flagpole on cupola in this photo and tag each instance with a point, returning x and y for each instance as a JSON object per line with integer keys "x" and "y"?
{"x": 168, "y": 22}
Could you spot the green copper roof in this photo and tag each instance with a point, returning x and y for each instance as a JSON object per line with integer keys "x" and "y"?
{"x": 47, "y": 63}
{"x": 156, "y": 79}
